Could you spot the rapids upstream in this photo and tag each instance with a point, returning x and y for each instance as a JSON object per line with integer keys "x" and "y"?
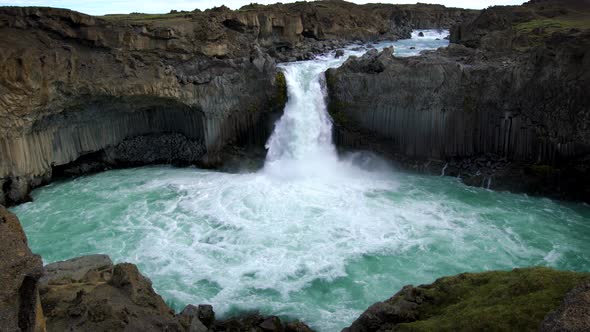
{"x": 312, "y": 236}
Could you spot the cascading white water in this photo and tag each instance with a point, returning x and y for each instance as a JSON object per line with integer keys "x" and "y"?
{"x": 305, "y": 129}
{"x": 301, "y": 144}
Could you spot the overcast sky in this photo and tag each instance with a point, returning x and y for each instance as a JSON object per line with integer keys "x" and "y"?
{"x": 101, "y": 7}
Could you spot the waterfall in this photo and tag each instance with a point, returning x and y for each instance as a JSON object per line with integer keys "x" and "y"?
{"x": 304, "y": 132}
{"x": 301, "y": 143}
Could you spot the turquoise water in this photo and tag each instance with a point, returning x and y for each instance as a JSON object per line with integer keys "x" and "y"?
{"x": 316, "y": 249}
{"x": 313, "y": 235}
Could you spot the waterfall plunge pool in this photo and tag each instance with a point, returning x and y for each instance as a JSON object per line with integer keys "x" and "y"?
{"x": 312, "y": 236}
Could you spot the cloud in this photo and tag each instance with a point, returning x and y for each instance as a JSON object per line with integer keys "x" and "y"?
{"x": 100, "y": 7}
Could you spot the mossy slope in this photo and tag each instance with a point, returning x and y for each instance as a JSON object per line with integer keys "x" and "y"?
{"x": 515, "y": 300}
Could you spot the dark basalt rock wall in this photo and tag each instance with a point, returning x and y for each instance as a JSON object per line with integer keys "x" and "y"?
{"x": 519, "y": 108}
{"x": 135, "y": 89}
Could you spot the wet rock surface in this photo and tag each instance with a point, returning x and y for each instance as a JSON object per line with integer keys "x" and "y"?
{"x": 520, "y": 105}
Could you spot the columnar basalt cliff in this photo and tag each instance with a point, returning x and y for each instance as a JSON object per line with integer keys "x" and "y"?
{"x": 81, "y": 93}
{"x": 505, "y": 106}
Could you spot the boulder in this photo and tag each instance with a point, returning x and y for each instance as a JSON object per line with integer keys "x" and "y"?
{"x": 258, "y": 323}
{"x": 90, "y": 293}
{"x": 339, "y": 53}
{"x": 297, "y": 327}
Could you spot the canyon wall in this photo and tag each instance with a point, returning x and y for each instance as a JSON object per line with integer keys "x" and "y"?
{"x": 507, "y": 101}
{"x": 122, "y": 90}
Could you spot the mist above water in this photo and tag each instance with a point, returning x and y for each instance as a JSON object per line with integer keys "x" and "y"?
{"x": 311, "y": 236}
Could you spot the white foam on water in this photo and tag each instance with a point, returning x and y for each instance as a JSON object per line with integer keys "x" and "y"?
{"x": 311, "y": 236}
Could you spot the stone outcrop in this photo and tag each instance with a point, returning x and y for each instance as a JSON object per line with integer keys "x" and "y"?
{"x": 515, "y": 300}
{"x": 92, "y": 294}
{"x": 99, "y": 92}
{"x": 20, "y": 307}
{"x": 504, "y": 107}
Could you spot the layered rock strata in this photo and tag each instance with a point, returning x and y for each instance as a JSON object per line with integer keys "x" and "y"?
{"x": 505, "y": 106}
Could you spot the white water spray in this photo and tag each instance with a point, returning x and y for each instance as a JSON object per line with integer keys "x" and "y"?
{"x": 301, "y": 144}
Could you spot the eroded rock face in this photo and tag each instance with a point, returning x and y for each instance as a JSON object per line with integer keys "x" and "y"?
{"x": 20, "y": 269}
{"x": 73, "y": 85}
{"x": 520, "y": 107}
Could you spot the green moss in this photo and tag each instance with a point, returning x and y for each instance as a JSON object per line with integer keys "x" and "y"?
{"x": 330, "y": 79}
{"x": 252, "y": 109}
{"x": 337, "y": 111}
{"x": 281, "y": 95}
{"x": 469, "y": 103}
{"x": 535, "y": 33}
{"x": 143, "y": 18}
{"x": 493, "y": 301}
{"x": 547, "y": 26}
{"x": 336, "y": 108}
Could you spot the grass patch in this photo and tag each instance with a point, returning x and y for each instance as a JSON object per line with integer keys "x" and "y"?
{"x": 143, "y": 18}
{"x": 517, "y": 300}
{"x": 549, "y": 26}
{"x": 537, "y": 32}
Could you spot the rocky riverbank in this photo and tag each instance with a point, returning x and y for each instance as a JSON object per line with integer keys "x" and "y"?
{"x": 91, "y": 293}
{"x": 80, "y": 93}
{"x": 505, "y": 106}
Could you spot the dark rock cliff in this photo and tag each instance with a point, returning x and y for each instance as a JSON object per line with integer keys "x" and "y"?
{"x": 506, "y": 105}
{"x": 177, "y": 88}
